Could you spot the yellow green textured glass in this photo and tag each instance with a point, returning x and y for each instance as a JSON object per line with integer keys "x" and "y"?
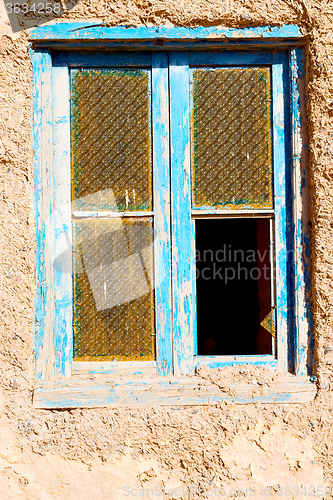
{"x": 113, "y": 289}
{"x": 231, "y": 138}
{"x": 269, "y": 322}
{"x": 111, "y": 140}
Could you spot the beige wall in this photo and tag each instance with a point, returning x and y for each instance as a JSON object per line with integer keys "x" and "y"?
{"x": 95, "y": 453}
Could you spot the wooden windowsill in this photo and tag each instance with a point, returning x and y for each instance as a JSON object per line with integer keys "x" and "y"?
{"x": 191, "y": 390}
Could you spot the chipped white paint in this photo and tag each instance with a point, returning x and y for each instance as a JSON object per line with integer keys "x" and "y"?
{"x": 44, "y": 304}
{"x": 279, "y": 162}
{"x": 301, "y": 323}
{"x": 138, "y": 391}
{"x": 62, "y": 326}
{"x": 123, "y": 368}
{"x": 81, "y": 31}
{"x": 161, "y": 182}
{"x": 182, "y": 229}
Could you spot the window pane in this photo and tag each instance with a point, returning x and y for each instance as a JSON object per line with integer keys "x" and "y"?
{"x": 233, "y": 284}
{"x": 111, "y": 140}
{"x": 113, "y": 289}
{"x": 232, "y": 138}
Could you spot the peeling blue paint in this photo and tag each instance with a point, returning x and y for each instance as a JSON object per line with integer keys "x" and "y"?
{"x": 301, "y": 337}
{"x": 85, "y": 30}
{"x": 182, "y": 236}
{"x": 268, "y": 361}
{"x": 41, "y": 61}
{"x": 279, "y": 163}
{"x": 161, "y": 179}
{"x": 182, "y": 391}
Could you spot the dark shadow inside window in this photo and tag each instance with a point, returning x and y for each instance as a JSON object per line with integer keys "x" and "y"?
{"x": 233, "y": 286}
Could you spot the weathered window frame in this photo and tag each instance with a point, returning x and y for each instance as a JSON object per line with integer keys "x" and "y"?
{"x": 55, "y": 48}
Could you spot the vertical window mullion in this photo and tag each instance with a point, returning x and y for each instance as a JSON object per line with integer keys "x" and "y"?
{"x": 181, "y": 225}
{"x": 61, "y": 256}
{"x": 279, "y": 162}
{"x": 162, "y": 239}
{"x": 296, "y": 61}
{"x": 42, "y": 143}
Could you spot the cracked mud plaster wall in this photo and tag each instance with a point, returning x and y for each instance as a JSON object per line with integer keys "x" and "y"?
{"x": 96, "y": 453}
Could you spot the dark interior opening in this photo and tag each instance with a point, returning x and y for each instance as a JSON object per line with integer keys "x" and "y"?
{"x": 233, "y": 286}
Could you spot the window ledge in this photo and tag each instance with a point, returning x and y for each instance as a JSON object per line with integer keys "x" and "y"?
{"x": 84, "y": 33}
{"x": 167, "y": 391}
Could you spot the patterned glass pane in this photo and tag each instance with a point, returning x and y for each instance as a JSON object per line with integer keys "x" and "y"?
{"x": 111, "y": 140}
{"x": 231, "y": 138}
{"x": 113, "y": 289}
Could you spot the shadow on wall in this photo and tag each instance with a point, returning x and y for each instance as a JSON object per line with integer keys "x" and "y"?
{"x": 25, "y": 14}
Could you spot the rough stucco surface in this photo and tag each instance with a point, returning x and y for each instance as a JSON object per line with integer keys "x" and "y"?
{"x": 96, "y": 453}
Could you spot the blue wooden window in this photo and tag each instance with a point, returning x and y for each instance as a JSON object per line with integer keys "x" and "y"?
{"x": 183, "y": 205}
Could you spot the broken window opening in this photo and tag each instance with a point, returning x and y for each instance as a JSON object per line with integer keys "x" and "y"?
{"x": 234, "y": 283}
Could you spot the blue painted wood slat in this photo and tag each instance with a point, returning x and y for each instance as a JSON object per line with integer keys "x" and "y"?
{"x": 168, "y": 391}
{"x": 162, "y": 241}
{"x": 127, "y": 368}
{"x": 102, "y": 59}
{"x": 230, "y": 58}
{"x": 266, "y": 360}
{"x": 182, "y": 228}
{"x": 279, "y": 164}
{"x": 301, "y": 330}
{"x": 94, "y": 30}
{"x": 42, "y": 144}
{"x": 61, "y": 248}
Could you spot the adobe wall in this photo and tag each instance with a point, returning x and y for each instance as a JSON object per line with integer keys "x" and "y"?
{"x": 94, "y": 454}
